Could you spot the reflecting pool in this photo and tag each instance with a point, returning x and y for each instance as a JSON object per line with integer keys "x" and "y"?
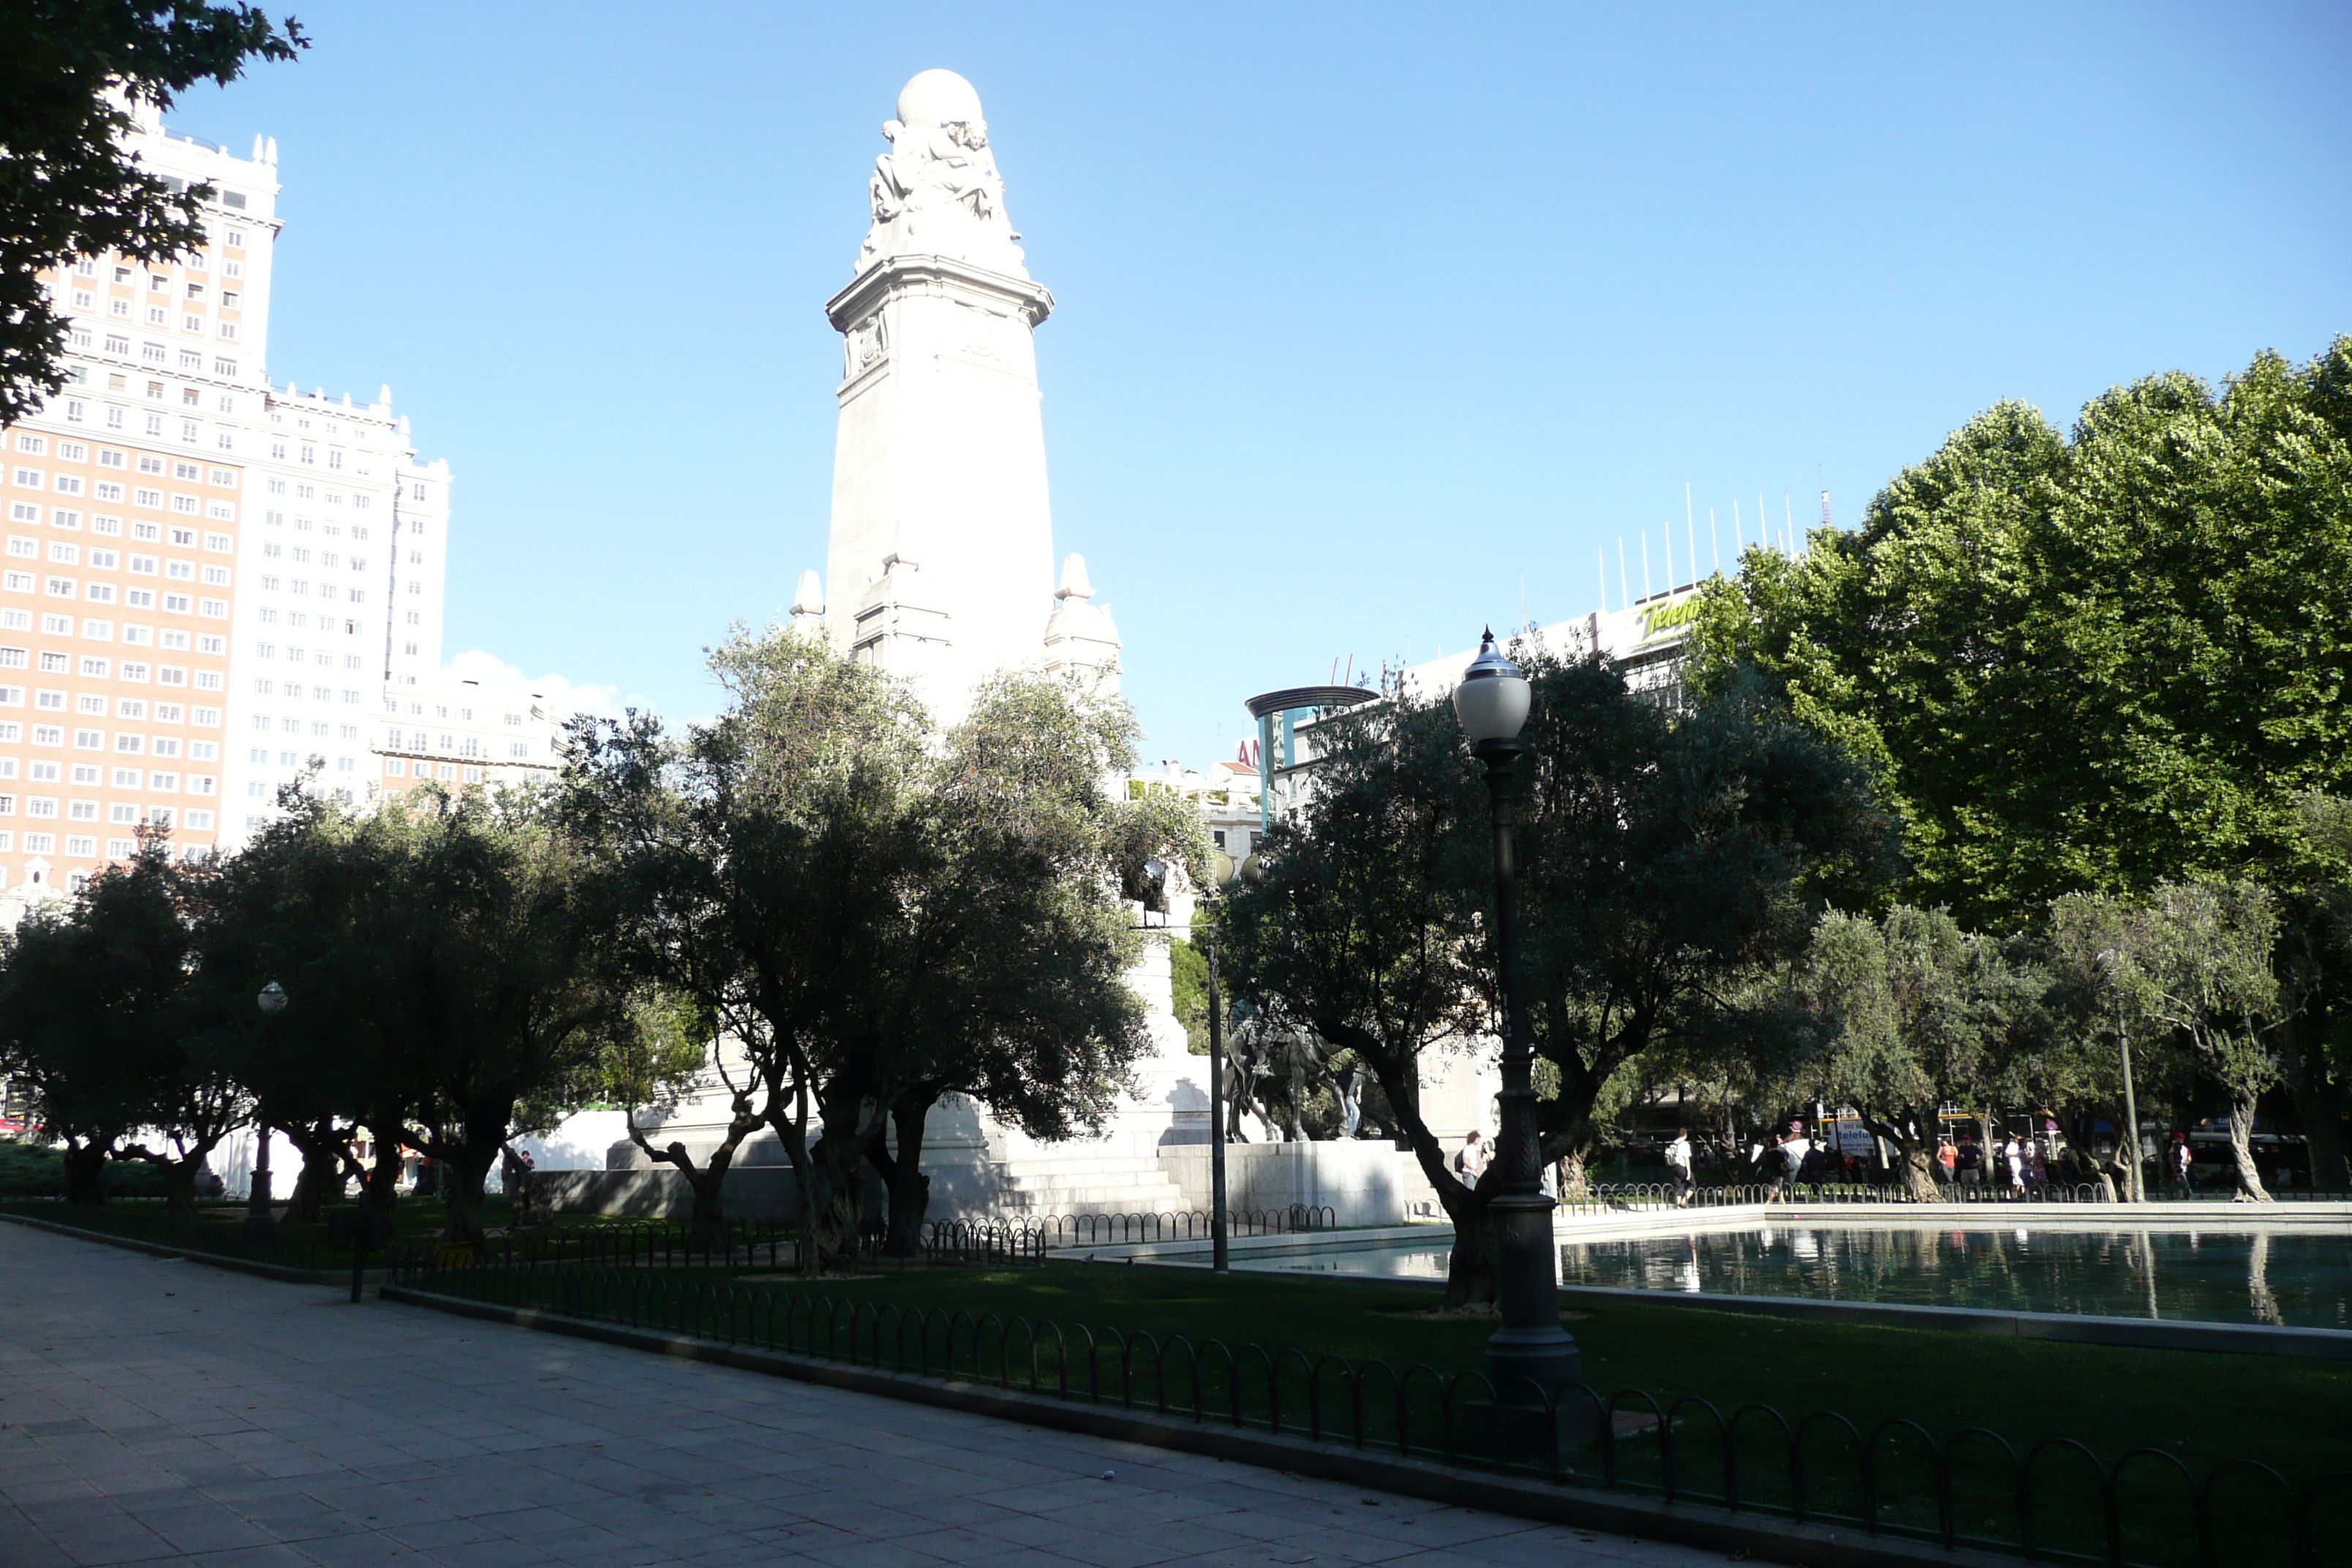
{"x": 2299, "y": 1277}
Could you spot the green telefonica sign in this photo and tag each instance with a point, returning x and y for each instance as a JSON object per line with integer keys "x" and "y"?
{"x": 1659, "y": 620}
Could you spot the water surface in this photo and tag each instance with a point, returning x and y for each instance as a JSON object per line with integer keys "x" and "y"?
{"x": 2299, "y": 1277}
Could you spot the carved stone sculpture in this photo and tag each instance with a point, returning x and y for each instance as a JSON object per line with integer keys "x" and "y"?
{"x": 937, "y": 191}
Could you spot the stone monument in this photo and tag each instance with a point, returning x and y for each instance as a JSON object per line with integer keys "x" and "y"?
{"x": 941, "y": 565}
{"x": 940, "y": 570}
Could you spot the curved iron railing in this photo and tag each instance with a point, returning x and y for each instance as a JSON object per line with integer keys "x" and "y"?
{"x": 2057, "y": 1501}
{"x": 1613, "y": 1198}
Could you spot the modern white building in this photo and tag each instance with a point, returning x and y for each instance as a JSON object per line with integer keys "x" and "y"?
{"x": 344, "y": 568}
{"x": 461, "y": 732}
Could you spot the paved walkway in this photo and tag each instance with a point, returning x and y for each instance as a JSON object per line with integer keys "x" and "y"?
{"x": 153, "y": 1410}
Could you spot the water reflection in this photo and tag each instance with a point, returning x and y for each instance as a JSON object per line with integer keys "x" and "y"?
{"x": 2298, "y": 1278}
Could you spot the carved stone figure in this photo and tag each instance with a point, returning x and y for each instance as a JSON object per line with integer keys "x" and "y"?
{"x": 937, "y": 191}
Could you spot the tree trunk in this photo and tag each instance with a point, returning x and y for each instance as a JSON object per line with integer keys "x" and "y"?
{"x": 1471, "y": 1270}
{"x": 385, "y": 1175}
{"x": 179, "y": 1176}
{"x": 465, "y": 1165}
{"x": 901, "y": 1170}
{"x": 1575, "y": 1176}
{"x": 836, "y": 1201}
{"x": 2242, "y": 1147}
{"x": 1916, "y": 1165}
{"x": 706, "y": 1219}
{"x": 86, "y": 1173}
{"x": 2319, "y": 1101}
{"x": 322, "y": 1170}
{"x": 180, "y": 1185}
{"x": 462, "y": 1181}
{"x": 1915, "y": 1160}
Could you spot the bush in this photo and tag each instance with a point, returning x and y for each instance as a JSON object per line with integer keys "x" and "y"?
{"x": 32, "y": 1171}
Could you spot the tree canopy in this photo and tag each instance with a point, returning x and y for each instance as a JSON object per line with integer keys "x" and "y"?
{"x": 2088, "y": 661}
{"x": 874, "y": 911}
{"x": 1667, "y": 865}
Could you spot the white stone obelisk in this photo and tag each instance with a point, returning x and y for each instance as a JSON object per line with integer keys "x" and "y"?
{"x": 940, "y": 564}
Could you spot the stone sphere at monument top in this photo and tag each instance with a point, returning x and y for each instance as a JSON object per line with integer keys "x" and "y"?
{"x": 938, "y": 98}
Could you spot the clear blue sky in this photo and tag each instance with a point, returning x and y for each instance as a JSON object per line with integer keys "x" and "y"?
{"x": 1368, "y": 315}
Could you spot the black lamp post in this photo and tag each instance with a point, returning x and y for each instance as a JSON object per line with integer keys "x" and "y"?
{"x": 1155, "y": 898}
{"x": 1530, "y": 1346}
{"x": 258, "y": 1225}
{"x": 1220, "y": 1231}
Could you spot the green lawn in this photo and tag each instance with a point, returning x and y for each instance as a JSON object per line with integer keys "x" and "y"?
{"x": 2204, "y": 1406}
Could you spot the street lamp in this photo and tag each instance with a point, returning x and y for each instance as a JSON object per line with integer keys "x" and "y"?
{"x": 2112, "y": 961}
{"x": 1530, "y": 1347}
{"x": 1220, "y": 1232}
{"x": 258, "y": 1225}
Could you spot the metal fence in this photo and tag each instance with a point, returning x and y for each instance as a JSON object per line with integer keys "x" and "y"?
{"x": 752, "y": 1244}
{"x": 2056, "y": 1500}
{"x": 1603, "y": 1197}
{"x": 1614, "y": 1198}
{"x": 1066, "y": 1230}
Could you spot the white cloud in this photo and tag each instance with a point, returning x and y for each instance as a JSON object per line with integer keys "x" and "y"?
{"x": 562, "y": 698}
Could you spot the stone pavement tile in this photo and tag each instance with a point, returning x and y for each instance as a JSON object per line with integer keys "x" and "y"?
{"x": 1123, "y": 1502}
{"x": 205, "y": 1527}
{"x": 270, "y": 1556}
{"x": 1018, "y": 1557}
{"x": 1030, "y": 1531}
{"x": 435, "y": 1534}
{"x": 299, "y": 1518}
{"x": 872, "y": 1554}
{"x": 493, "y": 1553}
{"x": 585, "y": 1540}
{"x": 1100, "y": 1550}
{"x": 113, "y": 1542}
{"x": 623, "y": 1554}
{"x": 870, "y": 1514}
{"x": 776, "y": 1491}
{"x": 69, "y": 1491}
{"x": 364, "y": 1548}
{"x": 974, "y": 1514}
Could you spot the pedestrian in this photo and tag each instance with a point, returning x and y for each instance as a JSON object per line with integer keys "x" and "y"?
{"x": 1794, "y": 1149}
{"x": 1678, "y": 1161}
{"x": 1471, "y": 1162}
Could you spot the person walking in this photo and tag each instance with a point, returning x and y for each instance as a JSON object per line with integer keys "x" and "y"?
{"x": 1794, "y": 1148}
{"x": 1678, "y": 1161}
{"x": 1815, "y": 1169}
{"x": 1471, "y": 1162}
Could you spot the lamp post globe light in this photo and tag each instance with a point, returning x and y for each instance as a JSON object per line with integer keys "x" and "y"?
{"x": 258, "y": 1221}
{"x": 1530, "y": 1347}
